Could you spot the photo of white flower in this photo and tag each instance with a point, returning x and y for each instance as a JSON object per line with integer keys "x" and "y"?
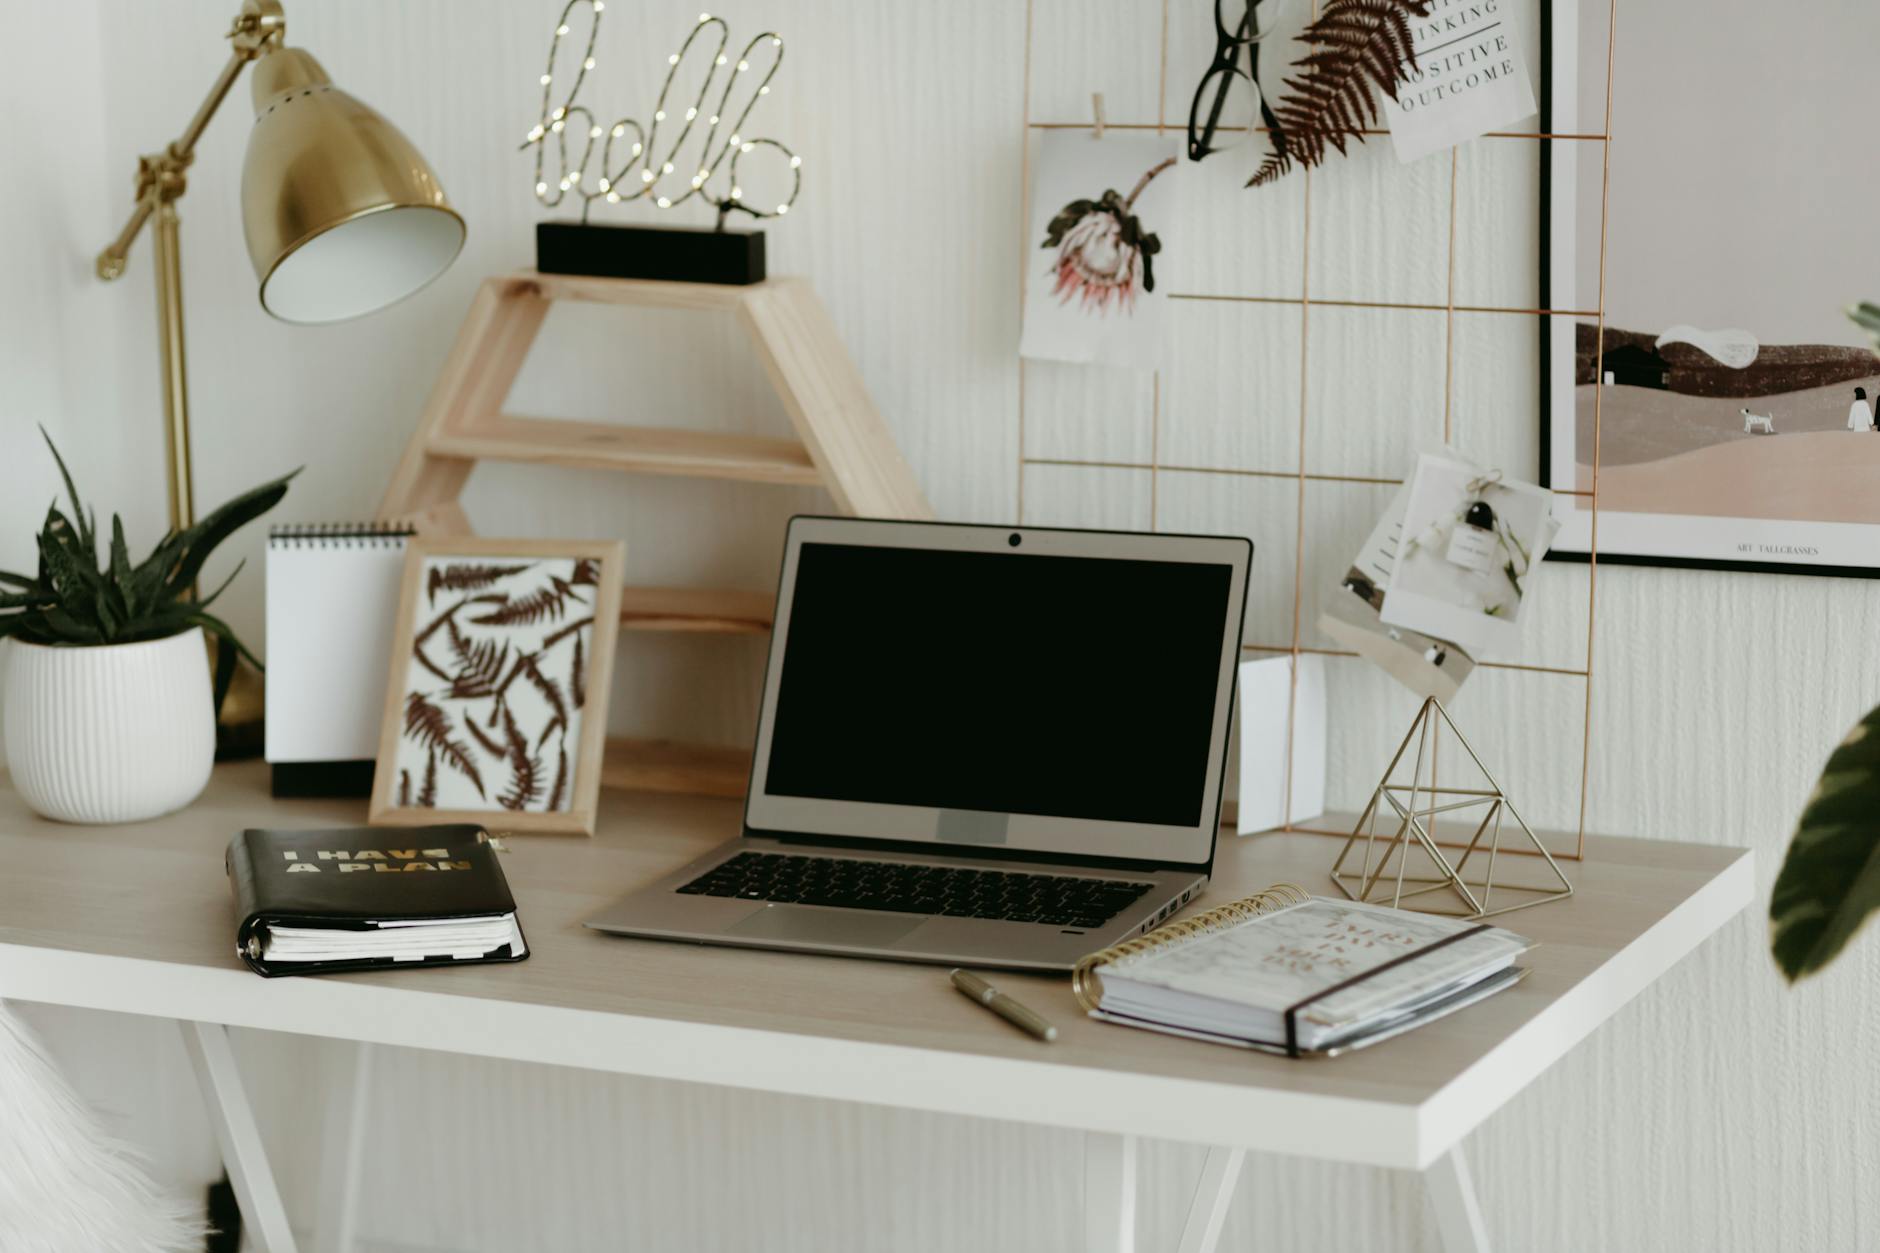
{"x": 1096, "y": 205}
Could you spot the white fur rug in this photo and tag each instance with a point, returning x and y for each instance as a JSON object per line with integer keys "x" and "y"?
{"x": 66, "y": 1186}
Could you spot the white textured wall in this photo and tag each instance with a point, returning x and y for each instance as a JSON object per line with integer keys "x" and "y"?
{"x": 1723, "y": 1112}
{"x": 59, "y": 369}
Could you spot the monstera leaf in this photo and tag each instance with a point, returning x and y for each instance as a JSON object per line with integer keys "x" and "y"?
{"x": 1830, "y": 880}
{"x": 1866, "y": 314}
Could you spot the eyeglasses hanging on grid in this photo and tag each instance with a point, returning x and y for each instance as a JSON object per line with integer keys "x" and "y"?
{"x": 1228, "y": 98}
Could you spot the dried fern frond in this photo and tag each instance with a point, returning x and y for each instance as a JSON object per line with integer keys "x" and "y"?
{"x": 468, "y": 577}
{"x": 427, "y": 794}
{"x": 479, "y": 665}
{"x": 548, "y": 602}
{"x": 1360, "y": 47}
{"x": 561, "y": 780}
{"x": 432, "y": 727}
{"x": 525, "y": 771}
{"x": 482, "y": 737}
{"x": 550, "y": 690}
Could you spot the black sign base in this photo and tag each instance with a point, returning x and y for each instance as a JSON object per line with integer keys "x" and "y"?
{"x": 677, "y": 254}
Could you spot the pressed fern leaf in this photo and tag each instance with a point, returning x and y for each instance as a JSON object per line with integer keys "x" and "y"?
{"x": 479, "y": 664}
{"x": 482, "y": 737}
{"x": 577, "y": 676}
{"x": 427, "y": 794}
{"x": 550, "y": 690}
{"x": 1360, "y": 47}
{"x": 556, "y": 792}
{"x": 573, "y": 628}
{"x": 545, "y": 603}
{"x": 525, "y": 772}
{"x": 432, "y": 727}
{"x": 467, "y": 577}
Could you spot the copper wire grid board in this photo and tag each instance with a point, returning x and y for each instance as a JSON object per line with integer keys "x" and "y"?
{"x": 1572, "y": 844}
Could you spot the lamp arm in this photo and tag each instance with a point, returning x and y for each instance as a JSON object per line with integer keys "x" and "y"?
{"x": 257, "y": 30}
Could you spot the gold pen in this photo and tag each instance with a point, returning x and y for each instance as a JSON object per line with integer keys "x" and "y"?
{"x": 1027, "y": 1020}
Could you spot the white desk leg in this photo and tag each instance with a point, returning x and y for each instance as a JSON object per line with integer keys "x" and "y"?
{"x": 1109, "y": 1193}
{"x": 264, "y": 1218}
{"x": 1452, "y": 1193}
{"x": 342, "y": 1140}
{"x": 1208, "y": 1211}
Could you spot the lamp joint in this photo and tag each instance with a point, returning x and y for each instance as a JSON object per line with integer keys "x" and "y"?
{"x": 260, "y": 27}
{"x": 161, "y": 175}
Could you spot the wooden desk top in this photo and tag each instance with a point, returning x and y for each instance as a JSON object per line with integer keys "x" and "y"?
{"x": 139, "y": 919}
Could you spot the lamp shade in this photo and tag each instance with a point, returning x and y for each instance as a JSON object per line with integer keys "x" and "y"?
{"x": 342, "y": 214}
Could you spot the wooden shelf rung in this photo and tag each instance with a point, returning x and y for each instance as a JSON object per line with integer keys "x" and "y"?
{"x": 703, "y": 609}
{"x": 630, "y": 449}
{"x": 641, "y": 293}
{"x": 637, "y": 765}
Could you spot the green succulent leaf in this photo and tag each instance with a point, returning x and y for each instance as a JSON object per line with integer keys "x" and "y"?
{"x": 200, "y": 540}
{"x": 66, "y": 629}
{"x": 1830, "y": 880}
{"x": 121, "y": 569}
{"x": 208, "y": 600}
{"x": 71, "y": 492}
{"x": 152, "y": 577}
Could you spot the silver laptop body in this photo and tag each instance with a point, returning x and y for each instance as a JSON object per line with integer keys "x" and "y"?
{"x": 1021, "y": 733}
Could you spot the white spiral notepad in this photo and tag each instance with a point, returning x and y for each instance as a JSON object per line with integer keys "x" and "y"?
{"x": 332, "y": 599}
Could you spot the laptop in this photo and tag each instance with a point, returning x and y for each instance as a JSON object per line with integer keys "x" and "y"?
{"x": 977, "y": 746}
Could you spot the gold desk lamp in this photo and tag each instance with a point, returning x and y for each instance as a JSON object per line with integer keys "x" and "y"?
{"x": 343, "y": 216}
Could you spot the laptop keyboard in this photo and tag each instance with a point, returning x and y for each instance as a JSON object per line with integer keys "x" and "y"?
{"x": 851, "y": 883}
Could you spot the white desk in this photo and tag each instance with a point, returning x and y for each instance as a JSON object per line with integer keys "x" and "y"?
{"x": 138, "y": 919}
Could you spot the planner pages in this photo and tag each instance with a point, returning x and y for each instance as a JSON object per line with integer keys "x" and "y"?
{"x": 1349, "y": 970}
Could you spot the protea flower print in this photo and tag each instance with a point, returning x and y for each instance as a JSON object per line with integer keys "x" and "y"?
{"x": 1103, "y": 254}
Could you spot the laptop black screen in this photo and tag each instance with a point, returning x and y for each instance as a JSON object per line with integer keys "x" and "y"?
{"x": 1072, "y": 687}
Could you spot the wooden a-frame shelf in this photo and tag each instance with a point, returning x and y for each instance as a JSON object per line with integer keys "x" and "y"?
{"x": 841, "y": 445}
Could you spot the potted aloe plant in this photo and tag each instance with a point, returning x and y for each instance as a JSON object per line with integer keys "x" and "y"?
{"x": 109, "y": 704}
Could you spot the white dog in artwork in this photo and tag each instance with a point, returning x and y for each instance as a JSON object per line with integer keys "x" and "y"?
{"x": 1767, "y": 421}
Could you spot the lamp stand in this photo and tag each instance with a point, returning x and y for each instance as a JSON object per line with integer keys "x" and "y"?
{"x": 169, "y": 262}
{"x": 161, "y": 181}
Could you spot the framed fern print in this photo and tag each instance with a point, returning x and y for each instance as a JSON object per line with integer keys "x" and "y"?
{"x": 496, "y": 700}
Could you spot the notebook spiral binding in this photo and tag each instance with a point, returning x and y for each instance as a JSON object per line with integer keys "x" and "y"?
{"x": 1087, "y": 987}
{"x": 340, "y": 535}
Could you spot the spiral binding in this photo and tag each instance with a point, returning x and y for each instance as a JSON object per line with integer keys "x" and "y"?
{"x": 340, "y": 535}
{"x": 1088, "y": 988}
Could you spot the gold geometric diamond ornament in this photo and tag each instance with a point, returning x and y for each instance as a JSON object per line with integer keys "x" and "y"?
{"x": 1383, "y": 875}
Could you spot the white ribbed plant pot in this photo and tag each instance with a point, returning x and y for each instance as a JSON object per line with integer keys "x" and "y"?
{"x": 115, "y": 733}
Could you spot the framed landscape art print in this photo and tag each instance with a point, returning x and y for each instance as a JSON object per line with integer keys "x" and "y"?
{"x": 1732, "y": 399}
{"x": 496, "y": 700}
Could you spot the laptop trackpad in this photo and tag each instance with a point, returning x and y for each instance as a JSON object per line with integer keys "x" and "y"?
{"x": 825, "y": 926}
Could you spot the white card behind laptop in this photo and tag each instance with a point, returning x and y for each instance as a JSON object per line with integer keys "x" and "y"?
{"x": 1271, "y": 714}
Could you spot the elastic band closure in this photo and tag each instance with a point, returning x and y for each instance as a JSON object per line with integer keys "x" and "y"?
{"x": 1292, "y": 1014}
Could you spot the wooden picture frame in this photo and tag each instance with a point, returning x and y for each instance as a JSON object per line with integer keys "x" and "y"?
{"x": 471, "y": 696}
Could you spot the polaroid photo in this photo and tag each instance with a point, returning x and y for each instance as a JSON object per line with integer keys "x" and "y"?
{"x": 1426, "y": 665}
{"x": 1470, "y": 549}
